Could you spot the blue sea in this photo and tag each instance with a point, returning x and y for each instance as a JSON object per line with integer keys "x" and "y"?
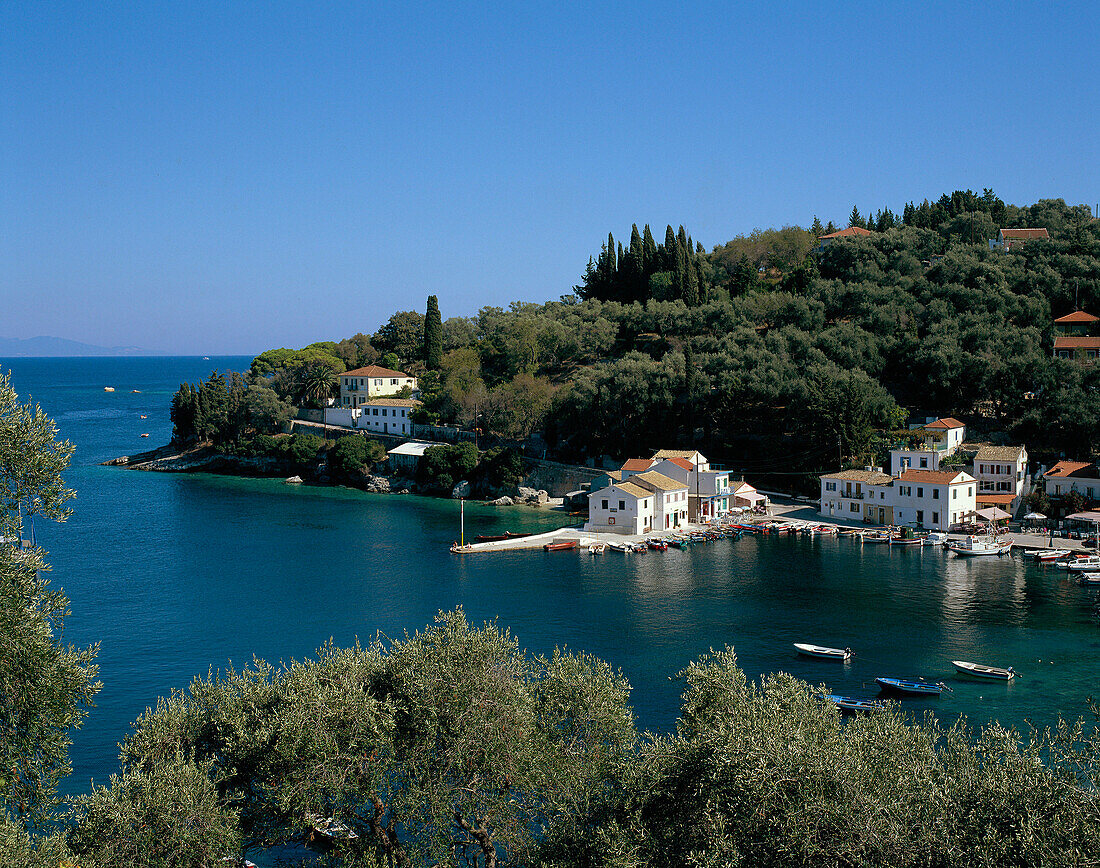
{"x": 175, "y": 575}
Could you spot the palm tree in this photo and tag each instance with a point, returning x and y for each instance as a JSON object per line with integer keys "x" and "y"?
{"x": 316, "y": 382}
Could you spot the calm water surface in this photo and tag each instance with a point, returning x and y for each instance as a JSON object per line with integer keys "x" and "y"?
{"x": 175, "y": 574}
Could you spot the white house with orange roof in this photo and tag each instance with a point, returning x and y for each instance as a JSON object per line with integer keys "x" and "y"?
{"x": 930, "y": 499}
{"x": 850, "y": 232}
{"x": 693, "y": 455}
{"x": 359, "y": 386}
{"x": 709, "y": 491}
{"x": 938, "y": 438}
{"x": 1066, "y": 476}
{"x": 670, "y": 502}
{"x": 1008, "y": 238}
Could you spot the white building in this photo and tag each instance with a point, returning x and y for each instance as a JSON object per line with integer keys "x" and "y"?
{"x": 692, "y": 455}
{"x": 939, "y": 438}
{"x": 1001, "y": 472}
{"x": 1066, "y": 476}
{"x": 670, "y": 500}
{"x": 708, "y": 490}
{"x": 406, "y": 457}
{"x": 379, "y": 416}
{"x": 931, "y": 499}
{"x": 359, "y": 386}
{"x": 621, "y": 508}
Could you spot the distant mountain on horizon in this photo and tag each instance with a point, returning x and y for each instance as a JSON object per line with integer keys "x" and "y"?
{"x": 45, "y": 345}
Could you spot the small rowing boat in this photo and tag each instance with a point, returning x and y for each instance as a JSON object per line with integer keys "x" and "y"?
{"x": 978, "y": 670}
{"x": 1045, "y": 555}
{"x": 560, "y": 545}
{"x": 908, "y": 686}
{"x": 823, "y": 652}
{"x": 850, "y": 703}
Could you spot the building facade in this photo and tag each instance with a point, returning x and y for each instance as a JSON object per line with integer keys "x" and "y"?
{"x": 1001, "y": 474}
{"x": 1066, "y": 476}
{"x": 1072, "y": 340}
{"x": 670, "y": 500}
{"x": 621, "y": 508}
{"x": 929, "y": 499}
{"x": 359, "y": 386}
{"x": 379, "y": 416}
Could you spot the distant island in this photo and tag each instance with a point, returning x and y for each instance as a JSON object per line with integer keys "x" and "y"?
{"x": 45, "y": 345}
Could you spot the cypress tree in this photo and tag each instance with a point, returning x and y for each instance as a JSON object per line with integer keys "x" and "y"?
{"x": 649, "y": 252}
{"x": 433, "y": 335}
{"x": 670, "y": 250}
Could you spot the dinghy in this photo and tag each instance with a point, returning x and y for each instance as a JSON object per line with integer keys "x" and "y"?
{"x": 979, "y": 670}
{"x": 824, "y": 653}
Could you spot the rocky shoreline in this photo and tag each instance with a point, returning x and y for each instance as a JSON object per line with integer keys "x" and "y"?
{"x": 207, "y": 459}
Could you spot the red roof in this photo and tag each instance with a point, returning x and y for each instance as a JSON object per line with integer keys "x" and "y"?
{"x": 1070, "y": 468}
{"x": 374, "y": 371}
{"x": 639, "y": 464}
{"x": 1003, "y": 499}
{"x": 1076, "y": 342}
{"x": 682, "y": 462}
{"x": 1077, "y": 316}
{"x": 847, "y": 233}
{"x": 1024, "y": 234}
{"x": 945, "y": 423}
{"x": 932, "y": 477}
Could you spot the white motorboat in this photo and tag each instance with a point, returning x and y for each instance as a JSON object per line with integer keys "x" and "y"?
{"x": 1089, "y": 580}
{"x": 936, "y": 538}
{"x": 1087, "y": 564}
{"x": 976, "y": 546}
{"x": 1045, "y": 555}
{"x": 979, "y": 670}
{"x": 843, "y": 654}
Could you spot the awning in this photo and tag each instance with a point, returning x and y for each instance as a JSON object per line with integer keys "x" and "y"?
{"x": 752, "y": 497}
{"x": 992, "y": 514}
{"x": 1034, "y": 516}
{"x": 999, "y": 499}
{"x": 1085, "y": 516}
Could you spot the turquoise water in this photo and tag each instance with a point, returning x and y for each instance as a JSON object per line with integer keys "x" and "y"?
{"x": 175, "y": 574}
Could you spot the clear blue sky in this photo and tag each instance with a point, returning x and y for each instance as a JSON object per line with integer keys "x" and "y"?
{"x": 224, "y": 177}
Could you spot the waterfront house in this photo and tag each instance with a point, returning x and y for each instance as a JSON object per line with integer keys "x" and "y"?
{"x": 745, "y": 495}
{"x": 670, "y": 500}
{"x": 379, "y": 416}
{"x": 359, "y": 386}
{"x": 634, "y": 466}
{"x": 936, "y": 438}
{"x": 1001, "y": 474}
{"x": 1008, "y": 238}
{"x": 406, "y": 457}
{"x": 1072, "y": 340}
{"x": 931, "y": 499}
{"x": 692, "y": 455}
{"x": 845, "y": 493}
{"x": 708, "y": 490}
{"x": 621, "y": 508}
{"x": 1066, "y": 476}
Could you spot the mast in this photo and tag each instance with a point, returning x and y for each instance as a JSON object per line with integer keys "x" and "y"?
{"x": 462, "y": 521}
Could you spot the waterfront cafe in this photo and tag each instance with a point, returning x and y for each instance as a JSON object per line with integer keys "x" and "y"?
{"x": 1084, "y": 522}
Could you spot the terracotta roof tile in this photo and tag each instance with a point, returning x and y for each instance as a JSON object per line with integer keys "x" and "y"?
{"x": 673, "y": 453}
{"x": 1000, "y": 499}
{"x": 637, "y": 464}
{"x": 872, "y": 477}
{"x": 944, "y": 423}
{"x": 1072, "y": 468}
{"x": 375, "y": 371}
{"x": 392, "y": 402}
{"x": 999, "y": 453}
{"x": 1074, "y": 342}
{"x": 850, "y": 232}
{"x": 682, "y": 462}
{"x": 1077, "y": 316}
{"x": 1024, "y": 234}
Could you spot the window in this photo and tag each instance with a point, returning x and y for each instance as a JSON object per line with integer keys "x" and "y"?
{"x": 920, "y": 516}
{"x": 604, "y": 505}
{"x": 970, "y": 491}
{"x": 393, "y": 382}
{"x": 935, "y": 494}
{"x": 920, "y": 493}
{"x": 853, "y": 507}
{"x": 375, "y": 411}
{"x": 363, "y": 382}
{"x": 924, "y": 462}
{"x": 383, "y": 411}
{"x": 622, "y": 504}
{"x": 882, "y": 495}
{"x": 954, "y": 494}
{"x": 935, "y": 518}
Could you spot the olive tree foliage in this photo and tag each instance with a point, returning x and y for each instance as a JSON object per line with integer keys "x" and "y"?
{"x": 447, "y": 747}
{"x": 46, "y": 686}
{"x": 769, "y": 774}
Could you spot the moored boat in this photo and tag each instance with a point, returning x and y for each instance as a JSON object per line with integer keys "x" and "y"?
{"x": 979, "y": 670}
{"x": 911, "y": 687}
{"x": 656, "y": 544}
{"x": 560, "y": 545}
{"x": 974, "y": 546}
{"x": 823, "y": 652}
{"x": 850, "y": 703}
{"x": 1045, "y": 555}
{"x": 1088, "y": 564}
{"x": 1089, "y": 580}
{"x": 597, "y": 548}
{"x": 936, "y": 538}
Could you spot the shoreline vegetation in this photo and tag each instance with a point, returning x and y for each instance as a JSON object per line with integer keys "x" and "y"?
{"x": 781, "y": 355}
{"x": 454, "y": 746}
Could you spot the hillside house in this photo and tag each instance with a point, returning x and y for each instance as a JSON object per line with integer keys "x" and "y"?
{"x": 1001, "y": 474}
{"x": 359, "y": 386}
{"x": 851, "y": 232}
{"x": 1066, "y": 476}
{"x": 1008, "y": 238}
{"x": 1072, "y": 340}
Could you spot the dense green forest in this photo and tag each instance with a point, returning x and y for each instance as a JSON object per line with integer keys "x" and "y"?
{"x": 771, "y": 353}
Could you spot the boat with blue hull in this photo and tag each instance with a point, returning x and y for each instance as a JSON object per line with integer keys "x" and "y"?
{"x": 850, "y": 703}
{"x": 911, "y": 687}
